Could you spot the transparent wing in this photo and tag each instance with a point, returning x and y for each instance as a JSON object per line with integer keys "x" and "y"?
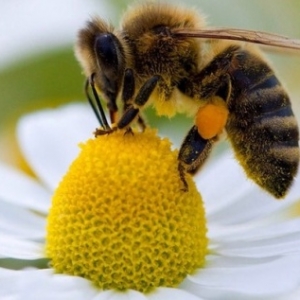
{"x": 252, "y": 36}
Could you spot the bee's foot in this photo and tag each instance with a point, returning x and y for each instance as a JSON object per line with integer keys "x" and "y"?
{"x": 185, "y": 188}
{"x": 102, "y": 131}
{"x": 128, "y": 130}
{"x": 181, "y": 170}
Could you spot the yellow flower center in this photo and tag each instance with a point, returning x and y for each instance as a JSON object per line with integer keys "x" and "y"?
{"x": 120, "y": 219}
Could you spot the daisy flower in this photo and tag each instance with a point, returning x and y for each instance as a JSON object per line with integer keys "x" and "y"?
{"x": 107, "y": 220}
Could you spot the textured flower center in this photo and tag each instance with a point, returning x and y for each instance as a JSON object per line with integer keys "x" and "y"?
{"x": 120, "y": 219}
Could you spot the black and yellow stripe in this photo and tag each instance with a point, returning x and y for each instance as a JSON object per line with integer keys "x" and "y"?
{"x": 262, "y": 127}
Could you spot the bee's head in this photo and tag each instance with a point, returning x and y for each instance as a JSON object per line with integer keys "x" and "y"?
{"x": 101, "y": 55}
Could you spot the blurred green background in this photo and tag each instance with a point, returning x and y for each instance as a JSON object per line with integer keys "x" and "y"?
{"x": 38, "y": 68}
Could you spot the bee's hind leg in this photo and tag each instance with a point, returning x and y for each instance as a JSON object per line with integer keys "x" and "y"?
{"x": 193, "y": 153}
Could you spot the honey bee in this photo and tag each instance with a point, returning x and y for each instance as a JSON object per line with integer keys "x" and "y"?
{"x": 165, "y": 55}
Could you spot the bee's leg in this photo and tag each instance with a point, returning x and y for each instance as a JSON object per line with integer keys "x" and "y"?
{"x": 128, "y": 93}
{"x": 128, "y": 88}
{"x": 141, "y": 99}
{"x": 141, "y": 123}
{"x": 211, "y": 118}
{"x": 133, "y": 109}
{"x": 193, "y": 153}
{"x": 112, "y": 113}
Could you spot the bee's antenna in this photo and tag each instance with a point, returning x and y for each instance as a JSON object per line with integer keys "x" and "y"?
{"x": 97, "y": 108}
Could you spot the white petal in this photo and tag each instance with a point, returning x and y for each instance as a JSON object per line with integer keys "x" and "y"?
{"x": 262, "y": 281}
{"x": 234, "y": 198}
{"x": 259, "y": 241}
{"x": 254, "y": 231}
{"x": 19, "y": 188}
{"x": 250, "y": 203}
{"x": 49, "y": 139}
{"x": 267, "y": 248}
{"x": 8, "y": 289}
{"x": 294, "y": 296}
{"x": 33, "y": 284}
{"x": 220, "y": 262}
{"x": 19, "y": 222}
{"x": 20, "y": 249}
{"x": 221, "y": 182}
{"x": 172, "y": 294}
{"x": 43, "y": 284}
{"x": 254, "y": 205}
{"x": 58, "y": 287}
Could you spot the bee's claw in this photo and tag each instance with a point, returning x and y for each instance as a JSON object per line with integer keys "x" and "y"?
{"x": 101, "y": 131}
{"x": 128, "y": 130}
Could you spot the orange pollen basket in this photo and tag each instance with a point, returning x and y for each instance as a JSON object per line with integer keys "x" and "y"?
{"x": 211, "y": 119}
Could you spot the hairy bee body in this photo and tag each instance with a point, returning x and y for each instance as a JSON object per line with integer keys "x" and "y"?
{"x": 261, "y": 126}
{"x": 223, "y": 84}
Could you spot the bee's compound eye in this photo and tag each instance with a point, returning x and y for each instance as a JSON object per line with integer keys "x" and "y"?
{"x": 110, "y": 59}
{"x": 105, "y": 50}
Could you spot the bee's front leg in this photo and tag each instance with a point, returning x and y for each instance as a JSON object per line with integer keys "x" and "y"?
{"x": 133, "y": 109}
{"x": 102, "y": 131}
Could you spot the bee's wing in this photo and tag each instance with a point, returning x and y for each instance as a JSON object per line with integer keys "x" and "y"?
{"x": 251, "y": 36}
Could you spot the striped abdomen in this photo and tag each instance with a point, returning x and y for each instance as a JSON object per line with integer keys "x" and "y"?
{"x": 261, "y": 126}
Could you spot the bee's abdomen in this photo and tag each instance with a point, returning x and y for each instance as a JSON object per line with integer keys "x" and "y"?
{"x": 262, "y": 127}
